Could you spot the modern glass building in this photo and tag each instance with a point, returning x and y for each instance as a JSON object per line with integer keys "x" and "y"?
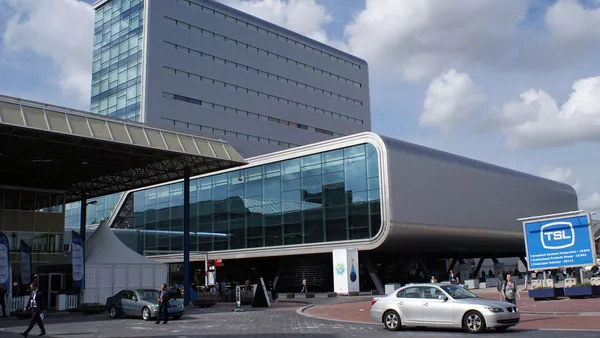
{"x": 201, "y": 66}
{"x": 328, "y": 196}
{"x": 117, "y": 60}
{"x": 283, "y": 213}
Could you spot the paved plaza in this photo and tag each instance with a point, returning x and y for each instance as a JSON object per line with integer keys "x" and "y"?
{"x": 282, "y": 320}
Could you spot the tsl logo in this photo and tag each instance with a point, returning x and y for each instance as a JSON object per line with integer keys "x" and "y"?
{"x": 557, "y": 235}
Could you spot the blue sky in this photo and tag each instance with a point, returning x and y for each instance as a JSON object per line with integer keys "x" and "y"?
{"x": 511, "y": 82}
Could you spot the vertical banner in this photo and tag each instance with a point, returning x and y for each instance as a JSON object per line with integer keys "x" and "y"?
{"x": 78, "y": 256}
{"x": 25, "y": 263}
{"x": 5, "y": 262}
{"x": 340, "y": 271}
{"x": 353, "y": 270}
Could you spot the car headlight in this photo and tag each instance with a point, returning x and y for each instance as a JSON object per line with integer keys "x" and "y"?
{"x": 494, "y": 309}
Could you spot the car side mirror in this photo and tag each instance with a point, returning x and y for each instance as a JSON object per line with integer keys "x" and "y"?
{"x": 134, "y": 299}
{"x": 442, "y": 297}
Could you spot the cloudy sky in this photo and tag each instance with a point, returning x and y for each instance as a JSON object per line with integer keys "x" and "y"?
{"x": 510, "y": 82}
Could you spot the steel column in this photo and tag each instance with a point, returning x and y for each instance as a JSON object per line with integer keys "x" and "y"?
{"x": 372, "y": 273}
{"x": 186, "y": 238}
{"x": 82, "y": 218}
{"x": 478, "y": 267}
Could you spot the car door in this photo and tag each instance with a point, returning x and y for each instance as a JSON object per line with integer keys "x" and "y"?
{"x": 118, "y": 302}
{"x": 410, "y": 303}
{"x": 437, "y": 311}
{"x": 128, "y": 302}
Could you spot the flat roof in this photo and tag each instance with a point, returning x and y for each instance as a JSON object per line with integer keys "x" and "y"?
{"x": 55, "y": 148}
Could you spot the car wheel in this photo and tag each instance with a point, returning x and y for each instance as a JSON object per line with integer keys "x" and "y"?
{"x": 391, "y": 320}
{"x": 474, "y": 322}
{"x": 113, "y": 312}
{"x": 177, "y": 317}
{"x": 146, "y": 314}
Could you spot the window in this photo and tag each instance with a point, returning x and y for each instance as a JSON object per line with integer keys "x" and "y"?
{"x": 412, "y": 292}
{"x": 295, "y": 201}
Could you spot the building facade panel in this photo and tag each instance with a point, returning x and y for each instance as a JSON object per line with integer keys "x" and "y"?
{"x": 463, "y": 205}
{"x": 221, "y": 68}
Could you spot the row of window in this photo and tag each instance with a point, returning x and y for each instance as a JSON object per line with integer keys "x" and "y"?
{"x": 107, "y": 16}
{"x": 12, "y": 199}
{"x": 223, "y": 132}
{"x": 37, "y": 241}
{"x": 260, "y": 72}
{"x": 259, "y": 50}
{"x": 247, "y": 113}
{"x": 322, "y": 197}
{"x": 116, "y": 69}
{"x": 100, "y": 211}
{"x": 281, "y": 37}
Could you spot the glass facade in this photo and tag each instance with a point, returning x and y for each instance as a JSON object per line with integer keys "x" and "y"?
{"x": 35, "y": 217}
{"x": 95, "y": 213}
{"x": 324, "y": 197}
{"x": 116, "y": 68}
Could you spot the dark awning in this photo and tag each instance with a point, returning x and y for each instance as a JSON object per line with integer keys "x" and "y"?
{"x": 55, "y": 148}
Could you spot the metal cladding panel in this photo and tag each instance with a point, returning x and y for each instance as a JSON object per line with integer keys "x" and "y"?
{"x": 443, "y": 202}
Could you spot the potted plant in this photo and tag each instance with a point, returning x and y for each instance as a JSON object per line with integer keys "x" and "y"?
{"x": 541, "y": 293}
{"x": 582, "y": 291}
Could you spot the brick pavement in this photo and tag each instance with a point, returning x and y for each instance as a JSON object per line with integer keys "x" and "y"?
{"x": 278, "y": 321}
{"x": 583, "y": 313}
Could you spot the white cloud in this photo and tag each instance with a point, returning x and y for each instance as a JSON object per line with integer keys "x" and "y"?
{"x": 60, "y": 30}
{"x": 570, "y": 22}
{"x": 591, "y": 203}
{"x": 564, "y": 175}
{"x": 418, "y": 39}
{"x": 451, "y": 98}
{"x": 301, "y": 16}
{"x": 536, "y": 120}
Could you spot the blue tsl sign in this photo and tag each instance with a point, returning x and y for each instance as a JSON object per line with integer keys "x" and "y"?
{"x": 558, "y": 241}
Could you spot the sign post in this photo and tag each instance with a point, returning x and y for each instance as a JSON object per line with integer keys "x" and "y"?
{"x": 562, "y": 240}
{"x": 78, "y": 261}
{"x": 5, "y": 272}
{"x": 25, "y": 263}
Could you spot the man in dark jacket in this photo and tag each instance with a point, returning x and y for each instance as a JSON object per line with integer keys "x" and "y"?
{"x": 163, "y": 305}
{"x": 36, "y": 304}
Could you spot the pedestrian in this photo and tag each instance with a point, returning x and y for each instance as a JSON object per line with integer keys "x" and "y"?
{"x": 500, "y": 286}
{"x": 163, "y": 305}
{"x": 36, "y": 304}
{"x": 304, "y": 290}
{"x": 3, "y": 296}
{"x": 451, "y": 277}
{"x": 510, "y": 290}
{"x": 433, "y": 280}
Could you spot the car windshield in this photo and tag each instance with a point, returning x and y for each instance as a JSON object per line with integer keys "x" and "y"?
{"x": 148, "y": 294}
{"x": 458, "y": 292}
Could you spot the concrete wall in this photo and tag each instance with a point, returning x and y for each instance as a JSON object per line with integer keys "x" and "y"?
{"x": 246, "y": 66}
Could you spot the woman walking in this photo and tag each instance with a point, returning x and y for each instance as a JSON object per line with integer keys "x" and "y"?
{"x": 510, "y": 291}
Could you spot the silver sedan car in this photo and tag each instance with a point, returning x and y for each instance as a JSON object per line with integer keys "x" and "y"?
{"x": 442, "y": 305}
{"x": 140, "y": 303}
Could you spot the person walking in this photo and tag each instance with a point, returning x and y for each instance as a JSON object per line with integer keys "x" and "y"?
{"x": 500, "y": 286}
{"x": 36, "y": 304}
{"x": 510, "y": 290}
{"x": 304, "y": 290}
{"x": 3, "y": 296}
{"x": 163, "y": 305}
{"x": 452, "y": 277}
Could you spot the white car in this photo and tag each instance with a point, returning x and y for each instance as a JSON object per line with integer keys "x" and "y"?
{"x": 442, "y": 305}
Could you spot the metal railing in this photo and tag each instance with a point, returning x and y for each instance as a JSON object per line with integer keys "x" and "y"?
{"x": 17, "y": 303}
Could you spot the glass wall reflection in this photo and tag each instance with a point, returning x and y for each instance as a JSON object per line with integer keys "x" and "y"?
{"x": 324, "y": 197}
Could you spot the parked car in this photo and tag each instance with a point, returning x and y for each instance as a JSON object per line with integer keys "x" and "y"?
{"x": 442, "y": 305}
{"x": 140, "y": 303}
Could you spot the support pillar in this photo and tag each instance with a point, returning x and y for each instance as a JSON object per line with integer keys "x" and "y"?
{"x": 452, "y": 264}
{"x": 524, "y": 261}
{"x": 373, "y": 273}
{"x": 495, "y": 260}
{"x": 82, "y": 218}
{"x": 279, "y": 272}
{"x": 478, "y": 267}
{"x": 423, "y": 268}
{"x": 82, "y": 233}
{"x": 186, "y": 238}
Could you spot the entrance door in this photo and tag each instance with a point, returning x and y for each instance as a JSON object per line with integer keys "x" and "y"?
{"x": 43, "y": 281}
{"x": 56, "y": 284}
